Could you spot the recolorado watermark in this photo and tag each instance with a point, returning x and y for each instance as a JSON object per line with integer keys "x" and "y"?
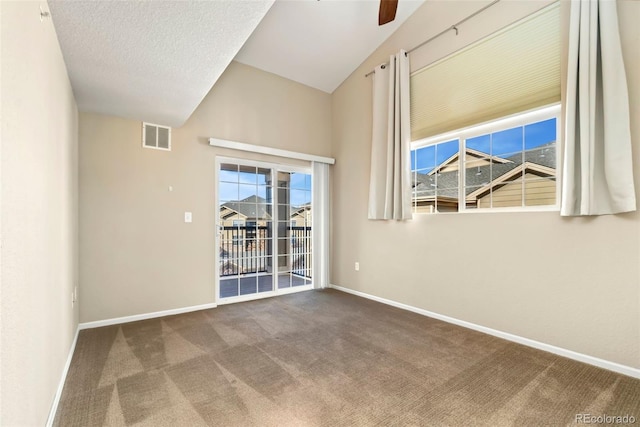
{"x": 605, "y": 419}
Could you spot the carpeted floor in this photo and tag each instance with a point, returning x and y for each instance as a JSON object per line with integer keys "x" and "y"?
{"x": 325, "y": 358}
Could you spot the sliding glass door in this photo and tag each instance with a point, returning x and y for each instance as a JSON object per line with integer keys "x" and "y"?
{"x": 264, "y": 230}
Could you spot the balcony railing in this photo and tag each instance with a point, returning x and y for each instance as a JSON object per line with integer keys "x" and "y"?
{"x": 246, "y": 249}
{"x": 301, "y": 250}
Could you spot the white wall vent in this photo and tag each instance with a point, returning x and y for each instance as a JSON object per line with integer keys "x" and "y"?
{"x": 156, "y": 136}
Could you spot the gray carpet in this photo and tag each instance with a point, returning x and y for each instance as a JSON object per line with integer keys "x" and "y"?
{"x": 325, "y": 358}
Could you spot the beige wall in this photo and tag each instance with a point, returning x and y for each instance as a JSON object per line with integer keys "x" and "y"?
{"x": 137, "y": 254}
{"x": 39, "y": 215}
{"x": 572, "y": 283}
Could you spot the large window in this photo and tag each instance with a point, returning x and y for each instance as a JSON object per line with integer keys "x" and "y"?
{"x": 507, "y": 163}
{"x": 484, "y": 121}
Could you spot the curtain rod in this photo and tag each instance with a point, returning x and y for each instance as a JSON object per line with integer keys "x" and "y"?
{"x": 453, "y": 27}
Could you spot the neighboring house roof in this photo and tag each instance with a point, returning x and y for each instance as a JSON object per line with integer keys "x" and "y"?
{"x": 255, "y": 207}
{"x": 540, "y": 161}
{"x": 299, "y": 210}
{"x": 252, "y": 207}
{"x": 526, "y": 167}
{"x": 226, "y": 213}
{"x": 453, "y": 160}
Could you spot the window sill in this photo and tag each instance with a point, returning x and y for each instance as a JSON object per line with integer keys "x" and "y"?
{"x": 494, "y": 211}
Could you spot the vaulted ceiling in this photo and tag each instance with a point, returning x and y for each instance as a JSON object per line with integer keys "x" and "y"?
{"x": 156, "y": 60}
{"x": 319, "y": 43}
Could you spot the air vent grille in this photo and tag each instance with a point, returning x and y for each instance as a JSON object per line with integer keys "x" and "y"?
{"x": 156, "y": 136}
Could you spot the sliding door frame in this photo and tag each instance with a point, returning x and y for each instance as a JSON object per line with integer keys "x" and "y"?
{"x": 275, "y": 168}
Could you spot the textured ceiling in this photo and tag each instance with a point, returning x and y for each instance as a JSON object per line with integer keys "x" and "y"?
{"x": 150, "y": 60}
{"x": 156, "y": 60}
{"x": 319, "y": 43}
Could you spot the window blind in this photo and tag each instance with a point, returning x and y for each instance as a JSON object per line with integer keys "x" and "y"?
{"x": 510, "y": 71}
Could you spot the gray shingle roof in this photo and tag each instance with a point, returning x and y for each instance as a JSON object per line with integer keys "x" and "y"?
{"x": 476, "y": 177}
{"x": 299, "y": 209}
{"x": 256, "y": 207}
{"x": 253, "y": 207}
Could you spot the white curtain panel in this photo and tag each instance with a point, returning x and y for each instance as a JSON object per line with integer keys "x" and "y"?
{"x": 320, "y": 227}
{"x": 390, "y": 182}
{"x": 597, "y": 173}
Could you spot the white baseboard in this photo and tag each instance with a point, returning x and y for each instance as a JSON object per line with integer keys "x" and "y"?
{"x": 144, "y": 316}
{"x": 601, "y": 363}
{"x": 63, "y": 378}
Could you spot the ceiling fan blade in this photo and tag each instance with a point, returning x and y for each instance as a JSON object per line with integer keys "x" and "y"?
{"x": 387, "y": 11}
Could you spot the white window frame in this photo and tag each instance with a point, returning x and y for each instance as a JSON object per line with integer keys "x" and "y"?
{"x": 511, "y": 121}
{"x": 144, "y": 136}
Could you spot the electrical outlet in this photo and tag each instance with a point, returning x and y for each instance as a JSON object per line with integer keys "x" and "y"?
{"x": 73, "y": 299}
{"x": 357, "y": 266}
{"x": 188, "y": 217}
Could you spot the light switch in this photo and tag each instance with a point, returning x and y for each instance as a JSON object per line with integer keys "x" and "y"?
{"x": 187, "y": 217}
